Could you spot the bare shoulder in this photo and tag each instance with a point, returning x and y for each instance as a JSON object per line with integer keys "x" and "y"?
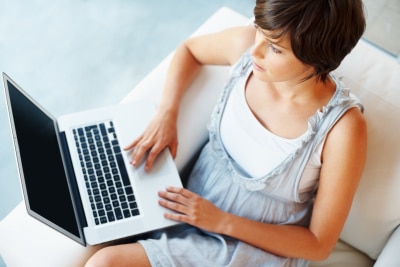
{"x": 222, "y": 48}
{"x": 345, "y": 148}
{"x": 351, "y": 125}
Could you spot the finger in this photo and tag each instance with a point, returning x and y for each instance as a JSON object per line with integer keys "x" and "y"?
{"x": 151, "y": 157}
{"x": 182, "y": 191}
{"x": 175, "y": 197}
{"x": 133, "y": 144}
{"x": 138, "y": 153}
{"x": 173, "y": 149}
{"x": 174, "y": 206}
{"x": 177, "y": 217}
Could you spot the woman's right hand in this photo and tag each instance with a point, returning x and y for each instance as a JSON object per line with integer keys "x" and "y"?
{"x": 161, "y": 133}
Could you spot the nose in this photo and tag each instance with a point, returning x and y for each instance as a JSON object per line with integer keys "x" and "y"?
{"x": 259, "y": 48}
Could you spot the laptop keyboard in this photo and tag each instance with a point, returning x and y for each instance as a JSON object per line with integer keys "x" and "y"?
{"x": 107, "y": 182}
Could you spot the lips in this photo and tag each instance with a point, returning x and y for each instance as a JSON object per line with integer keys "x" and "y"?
{"x": 257, "y": 67}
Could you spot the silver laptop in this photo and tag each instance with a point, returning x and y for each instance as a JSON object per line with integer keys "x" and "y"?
{"x": 75, "y": 176}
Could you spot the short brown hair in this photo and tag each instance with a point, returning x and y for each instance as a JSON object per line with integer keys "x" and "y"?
{"x": 322, "y": 32}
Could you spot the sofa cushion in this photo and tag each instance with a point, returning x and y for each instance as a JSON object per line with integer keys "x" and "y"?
{"x": 24, "y": 241}
{"x": 344, "y": 255}
{"x": 375, "y": 213}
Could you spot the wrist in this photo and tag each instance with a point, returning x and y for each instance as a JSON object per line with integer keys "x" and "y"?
{"x": 168, "y": 109}
{"x": 225, "y": 225}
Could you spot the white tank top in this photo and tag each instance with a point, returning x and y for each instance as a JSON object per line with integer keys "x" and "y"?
{"x": 253, "y": 147}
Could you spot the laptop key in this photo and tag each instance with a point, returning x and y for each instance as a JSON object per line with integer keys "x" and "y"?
{"x": 127, "y": 213}
{"x": 135, "y": 212}
{"x": 103, "y": 129}
{"x": 124, "y": 174}
{"x": 107, "y": 182}
{"x": 110, "y": 216}
{"x": 118, "y": 214}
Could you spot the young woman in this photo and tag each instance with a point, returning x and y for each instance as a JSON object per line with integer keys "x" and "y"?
{"x": 287, "y": 147}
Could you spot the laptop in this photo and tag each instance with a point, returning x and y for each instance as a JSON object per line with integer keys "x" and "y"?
{"x": 75, "y": 176}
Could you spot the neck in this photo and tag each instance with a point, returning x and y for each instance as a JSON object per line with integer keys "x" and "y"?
{"x": 300, "y": 90}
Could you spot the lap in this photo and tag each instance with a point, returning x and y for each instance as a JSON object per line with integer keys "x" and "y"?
{"x": 131, "y": 254}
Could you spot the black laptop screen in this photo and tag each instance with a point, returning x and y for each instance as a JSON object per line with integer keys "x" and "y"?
{"x": 40, "y": 164}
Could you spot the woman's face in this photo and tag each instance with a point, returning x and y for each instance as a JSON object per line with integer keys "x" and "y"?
{"x": 274, "y": 61}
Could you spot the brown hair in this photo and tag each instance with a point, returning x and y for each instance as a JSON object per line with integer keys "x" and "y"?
{"x": 322, "y": 32}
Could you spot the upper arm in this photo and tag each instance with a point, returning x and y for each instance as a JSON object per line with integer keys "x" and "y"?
{"x": 344, "y": 157}
{"x": 221, "y": 48}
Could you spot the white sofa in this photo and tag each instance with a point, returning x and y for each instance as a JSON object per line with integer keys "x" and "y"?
{"x": 369, "y": 237}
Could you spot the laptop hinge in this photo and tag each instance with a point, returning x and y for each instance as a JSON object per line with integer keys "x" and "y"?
{"x": 73, "y": 186}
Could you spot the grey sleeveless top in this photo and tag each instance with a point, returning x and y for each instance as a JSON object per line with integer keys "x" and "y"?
{"x": 273, "y": 198}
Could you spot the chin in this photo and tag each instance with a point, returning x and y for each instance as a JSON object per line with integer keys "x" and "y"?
{"x": 261, "y": 76}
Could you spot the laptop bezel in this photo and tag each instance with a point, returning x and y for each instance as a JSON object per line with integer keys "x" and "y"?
{"x": 78, "y": 214}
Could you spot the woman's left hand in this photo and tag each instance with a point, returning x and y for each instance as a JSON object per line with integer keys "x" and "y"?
{"x": 192, "y": 209}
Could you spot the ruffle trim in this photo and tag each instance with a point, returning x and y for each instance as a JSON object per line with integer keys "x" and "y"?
{"x": 340, "y": 97}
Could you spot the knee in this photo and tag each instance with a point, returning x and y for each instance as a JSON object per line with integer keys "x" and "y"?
{"x": 105, "y": 257}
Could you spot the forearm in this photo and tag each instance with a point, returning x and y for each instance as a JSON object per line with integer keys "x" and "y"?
{"x": 209, "y": 49}
{"x": 182, "y": 71}
{"x": 283, "y": 240}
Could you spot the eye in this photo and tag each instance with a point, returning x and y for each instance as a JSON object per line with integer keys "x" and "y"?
{"x": 274, "y": 49}
{"x": 267, "y": 39}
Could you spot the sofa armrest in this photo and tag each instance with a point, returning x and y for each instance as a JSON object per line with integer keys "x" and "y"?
{"x": 390, "y": 254}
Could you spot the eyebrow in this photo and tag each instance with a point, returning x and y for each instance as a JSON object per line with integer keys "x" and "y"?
{"x": 277, "y": 43}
